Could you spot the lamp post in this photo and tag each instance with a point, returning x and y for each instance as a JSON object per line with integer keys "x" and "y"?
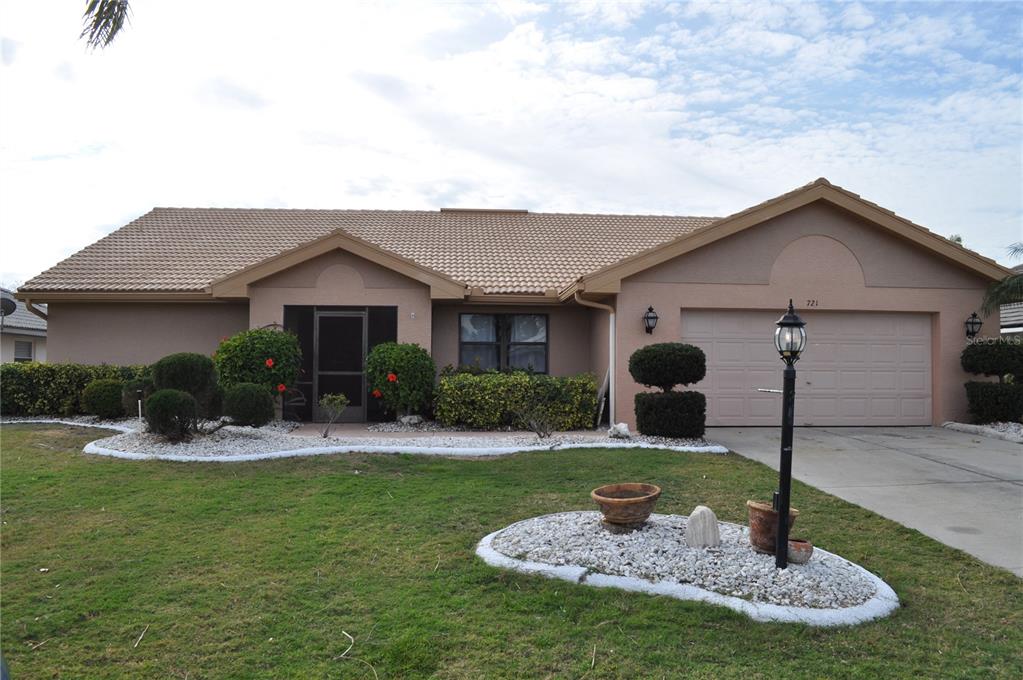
{"x": 789, "y": 340}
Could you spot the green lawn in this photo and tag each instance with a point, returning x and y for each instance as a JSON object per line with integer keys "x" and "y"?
{"x": 253, "y": 570}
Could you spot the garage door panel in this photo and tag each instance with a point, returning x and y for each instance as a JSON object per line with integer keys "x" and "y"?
{"x": 859, "y": 368}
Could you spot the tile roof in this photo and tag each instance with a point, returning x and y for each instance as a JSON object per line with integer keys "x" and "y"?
{"x": 185, "y": 249}
{"x": 22, "y": 318}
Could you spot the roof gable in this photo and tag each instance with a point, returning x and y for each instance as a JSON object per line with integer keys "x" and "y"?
{"x": 608, "y": 279}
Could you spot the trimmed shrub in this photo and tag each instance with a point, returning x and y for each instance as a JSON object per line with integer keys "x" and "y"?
{"x": 495, "y": 400}
{"x": 993, "y": 358}
{"x": 248, "y": 404}
{"x": 263, "y": 356}
{"x": 671, "y": 414}
{"x": 401, "y": 376}
{"x": 991, "y": 402}
{"x": 35, "y": 389}
{"x": 172, "y": 413}
{"x": 193, "y": 373}
{"x": 103, "y": 398}
{"x": 667, "y": 364}
{"x": 130, "y": 398}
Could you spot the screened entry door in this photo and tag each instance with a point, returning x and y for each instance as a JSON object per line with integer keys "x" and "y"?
{"x": 340, "y": 360}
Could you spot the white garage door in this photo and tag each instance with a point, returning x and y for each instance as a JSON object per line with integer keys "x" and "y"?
{"x": 859, "y": 368}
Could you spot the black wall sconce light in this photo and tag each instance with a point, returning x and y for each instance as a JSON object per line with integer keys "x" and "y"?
{"x": 973, "y": 325}
{"x": 650, "y": 320}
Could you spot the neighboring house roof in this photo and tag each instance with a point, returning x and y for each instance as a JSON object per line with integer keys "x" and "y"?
{"x": 186, "y": 249}
{"x": 22, "y": 319}
{"x": 203, "y": 251}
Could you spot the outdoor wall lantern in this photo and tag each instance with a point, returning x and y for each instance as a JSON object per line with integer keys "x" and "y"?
{"x": 789, "y": 340}
{"x": 650, "y": 320}
{"x": 973, "y": 325}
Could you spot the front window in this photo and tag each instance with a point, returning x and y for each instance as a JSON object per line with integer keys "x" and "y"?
{"x": 23, "y": 350}
{"x": 514, "y": 341}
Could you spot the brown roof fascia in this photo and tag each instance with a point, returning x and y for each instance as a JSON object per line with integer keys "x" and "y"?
{"x": 608, "y": 279}
{"x": 47, "y": 296}
{"x": 236, "y": 284}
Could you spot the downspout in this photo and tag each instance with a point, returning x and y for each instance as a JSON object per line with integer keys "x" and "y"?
{"x": 610, "y": 352}
{"x": 35, "y": 310}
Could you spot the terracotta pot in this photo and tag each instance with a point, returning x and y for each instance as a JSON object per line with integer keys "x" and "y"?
{"x": 800, "y": 550}
{"x": 763, "y": 525}
{"x": 626, "y": 504}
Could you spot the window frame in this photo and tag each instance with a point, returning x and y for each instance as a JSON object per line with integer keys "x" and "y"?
{"x": 504, "y": 343}
{"x": 31, "y": 351}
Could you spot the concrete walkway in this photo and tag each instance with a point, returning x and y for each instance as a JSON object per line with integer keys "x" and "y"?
{"x": 961, "y": 489}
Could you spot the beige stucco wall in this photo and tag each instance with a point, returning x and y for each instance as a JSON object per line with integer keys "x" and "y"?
{"x": 340, "y": 278}
{"x": 818, "y": 253}
{"x": 568, "y": 333}
{"x": 7, "y": 346}
{"x": 138, "y": 333}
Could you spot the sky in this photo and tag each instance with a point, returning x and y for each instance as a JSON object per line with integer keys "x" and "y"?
{"x": 691, "y": 108}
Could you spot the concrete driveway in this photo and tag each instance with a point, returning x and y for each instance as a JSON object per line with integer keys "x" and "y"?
{"x": 963, "y": 490}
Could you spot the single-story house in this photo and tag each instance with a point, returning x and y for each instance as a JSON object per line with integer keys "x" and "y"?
{"x": 885, "y": 300}
{"x": 23, "y": 334}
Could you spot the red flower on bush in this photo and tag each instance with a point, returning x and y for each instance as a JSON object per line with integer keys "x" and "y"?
{"x": 281, "y": 387}
{"x": 392, "y": 377}
{"x": 269, "y": 363}
{"x": 377, "y": 393}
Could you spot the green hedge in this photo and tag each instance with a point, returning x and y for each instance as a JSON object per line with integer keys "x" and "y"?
{"x": 172, "y": 413}
{"x": 35, "y": 389}
{"x": 667, "y": 364}
{"x": 193, "y": 373}
{"x": 494, "y": 400}
{"x": 263, "y": 356}
{"x": 671, "y": 414}
{"x": 993, "y": 358}
{"x": 102, "y": 398}
{"x": 248, "y": 404}
{"x": 991, "y": 402}
{"x": 402, "y": 374}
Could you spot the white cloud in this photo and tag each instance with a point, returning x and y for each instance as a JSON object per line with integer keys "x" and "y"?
{"x": 704, "y": 108}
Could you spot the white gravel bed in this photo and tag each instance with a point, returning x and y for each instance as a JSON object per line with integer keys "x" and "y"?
{"x": 1012, "y": 432}
{"x": 237, "y": 444}
{"x": 121, "y": 424}
{"x": 828, "y": 590}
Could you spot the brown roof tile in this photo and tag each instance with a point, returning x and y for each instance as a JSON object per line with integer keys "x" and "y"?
{"x": 185, "y": 249}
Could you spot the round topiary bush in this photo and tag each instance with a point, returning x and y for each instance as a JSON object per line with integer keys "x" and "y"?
{"x": 993, "y": 357}
{"x": 401, "y": 375}
{"x": 103, "y": 398}
{"x": 262, "y": 356}
{"x": 193, "y": 373}
{"x": 130, "y": 395}
{"x": 172, "y": 413}
{"x": 671, "y": 414}
{"x": 667, "y": 364}
{"x": 248, "y": 404}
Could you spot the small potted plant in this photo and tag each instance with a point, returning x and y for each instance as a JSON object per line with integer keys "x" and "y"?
{"x": 626, "y": 505}
{"x": 763, "y": 525}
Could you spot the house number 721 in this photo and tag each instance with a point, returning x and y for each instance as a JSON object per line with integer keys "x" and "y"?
{"x": 812, "y": 303}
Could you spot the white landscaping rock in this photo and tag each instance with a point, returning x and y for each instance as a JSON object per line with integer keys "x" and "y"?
{"x": 1010, "y": 432}
{"x": 411, "y": 420}
{"x": 826, "y": 591}
{"x": 619, "y": 431}
{"x": 702, "y": 528}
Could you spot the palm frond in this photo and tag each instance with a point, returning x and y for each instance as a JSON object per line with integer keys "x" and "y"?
{"x": 1004, "y": 292}
{"x": 1016, "y": 249}
{"x": 103, "y": 20}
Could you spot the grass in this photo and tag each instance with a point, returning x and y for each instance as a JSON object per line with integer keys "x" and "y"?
{"x": 253, "y": 570}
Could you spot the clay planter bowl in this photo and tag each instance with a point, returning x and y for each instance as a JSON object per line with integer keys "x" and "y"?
{"x": 763, "y": 525}
{"x": 800, "y": 550}
{"x": 626, "y": 504}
